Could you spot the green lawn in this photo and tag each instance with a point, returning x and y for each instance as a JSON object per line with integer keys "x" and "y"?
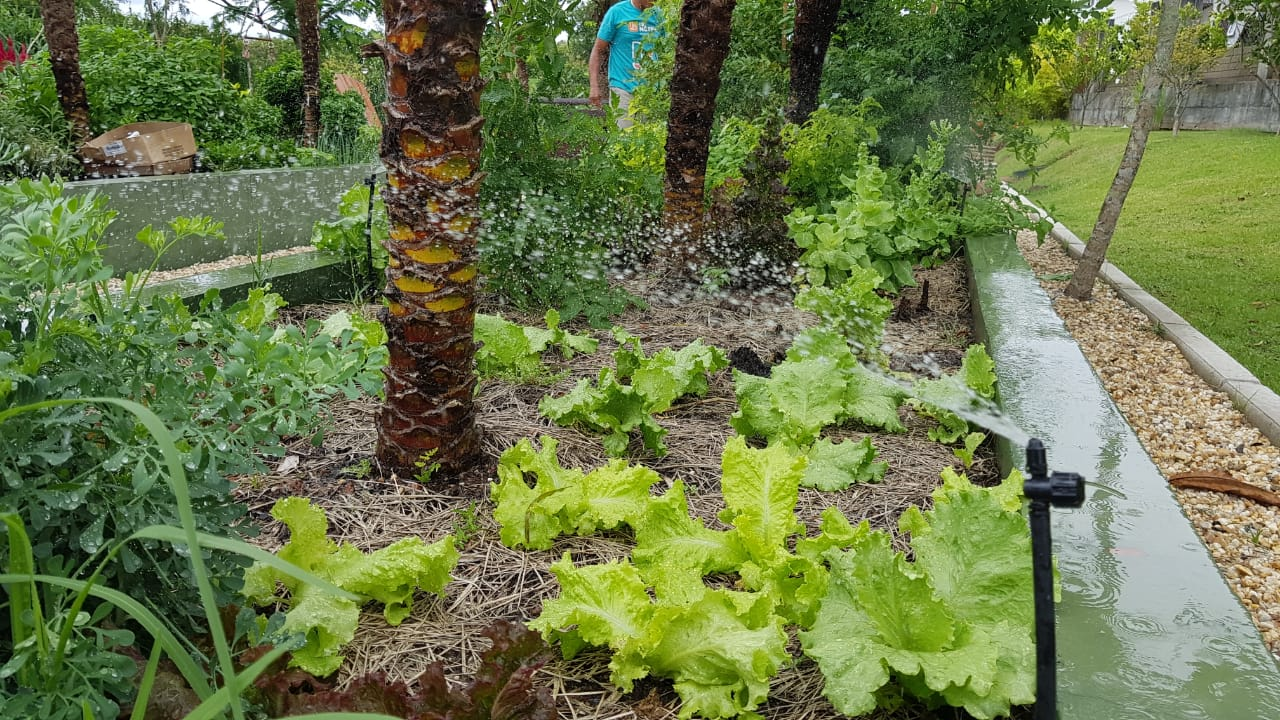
{"x": 1198, "y": 231}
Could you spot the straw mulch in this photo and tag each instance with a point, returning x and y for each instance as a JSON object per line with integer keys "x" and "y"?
{"x": 492, "y": 581}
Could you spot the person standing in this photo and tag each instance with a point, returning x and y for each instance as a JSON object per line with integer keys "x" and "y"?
{"x": 625, "y": 34}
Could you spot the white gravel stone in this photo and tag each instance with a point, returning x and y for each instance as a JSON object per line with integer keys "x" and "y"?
{"x": 1184, "y": 425}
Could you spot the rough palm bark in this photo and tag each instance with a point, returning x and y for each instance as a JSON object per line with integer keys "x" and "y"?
{"x": 309, "y": 45}
{"x": 701, "y": 47}
{"x": 1095, "y": 252}
{"x": 431, "y": 147}
{"x": 59, "y": 18}
{"x": 815, "y": 21}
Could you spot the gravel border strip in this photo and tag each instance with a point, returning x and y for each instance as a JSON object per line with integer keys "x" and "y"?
{"x": 1259, "y": 403}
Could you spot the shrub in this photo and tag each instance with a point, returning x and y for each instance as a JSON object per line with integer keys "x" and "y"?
{"x": 228, "y": 383}
{"x": 281, "y": 85}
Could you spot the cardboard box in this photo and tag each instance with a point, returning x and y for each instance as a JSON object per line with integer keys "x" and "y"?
{"x": 137, "y": 145}
{"x": 93, "y": 169}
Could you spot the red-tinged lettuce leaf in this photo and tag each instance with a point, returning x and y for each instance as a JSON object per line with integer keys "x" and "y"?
{"x": 504, "y": 687}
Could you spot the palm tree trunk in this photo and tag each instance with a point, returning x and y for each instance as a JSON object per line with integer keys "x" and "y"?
{"x": 431, "y": 148}
{"x": 701, "y": 47}
{"x": 815, "y": 21}
{"x": 309, "y": 45}
{"x": 59, "y": 18}
{"x": 1095, "y": 252}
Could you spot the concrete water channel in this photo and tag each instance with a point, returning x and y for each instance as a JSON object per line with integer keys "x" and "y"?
{"x": 1146, "y": 628}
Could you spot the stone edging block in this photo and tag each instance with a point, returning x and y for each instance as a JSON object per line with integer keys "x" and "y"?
{"x": 1260, "y": 404}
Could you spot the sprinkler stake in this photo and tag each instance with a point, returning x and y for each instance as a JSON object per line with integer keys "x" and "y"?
{"x": 1046, "y": 490}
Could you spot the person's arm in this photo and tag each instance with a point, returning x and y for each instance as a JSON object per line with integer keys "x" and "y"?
{"x": 595, "y": 66}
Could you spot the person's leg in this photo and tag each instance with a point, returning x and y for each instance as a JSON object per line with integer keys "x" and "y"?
{"x": 624, "y": 102}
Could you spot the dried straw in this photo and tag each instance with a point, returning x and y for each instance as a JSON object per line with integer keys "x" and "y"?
{"x": 492, "y": 581}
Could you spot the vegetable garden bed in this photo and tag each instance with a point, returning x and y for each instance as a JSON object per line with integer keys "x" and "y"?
{"x": 493, "y": 581}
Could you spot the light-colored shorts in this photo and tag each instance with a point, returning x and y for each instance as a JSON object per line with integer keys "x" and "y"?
{"x": 624, "y": 102}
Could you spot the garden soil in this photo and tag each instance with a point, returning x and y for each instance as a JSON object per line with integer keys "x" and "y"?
{"x": 493, "y": 582}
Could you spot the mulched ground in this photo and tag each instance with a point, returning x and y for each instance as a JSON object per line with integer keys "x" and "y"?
{"x": 493, "y": 582}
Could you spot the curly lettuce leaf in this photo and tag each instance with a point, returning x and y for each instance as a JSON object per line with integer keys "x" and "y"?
{"x": 873, "y": 399}
{"x": 606, "y": 605}
{"x": 608, "y": 407}
{"x": 760, "y": 489}
{"x": 615, "y": 408}
{"x": 390, "y": 576}
{"x": 953, "y": 626}
{"x": 674, "y": 551}
{"x": 878, "y": 618}
{"x": 670, "y": 374}
{"x": 972, "y": 386}
{"x": 720, "y": 651}
{"x": 563, "y": 501}
{"x": 531, "y": 516}
{"x": 836, "y": 466}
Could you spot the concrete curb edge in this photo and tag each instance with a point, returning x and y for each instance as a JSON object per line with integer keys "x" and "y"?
{"x": 1259, "y": 404}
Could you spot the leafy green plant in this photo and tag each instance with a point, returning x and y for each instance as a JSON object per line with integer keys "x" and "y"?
{"x": 820, "y": 383}
{"x": 972, "y": 386}
{"x": 851, "y": 308}
{"x": 345, "y": 235}
{"x": 514, "y": 351}
{"x": 880, "y": 224}
{"x": 969, "y": 447}
{"x": 79, "y": 473}
{"x": 615, "y": 408}
{"x": 466, "y": 527}
{"x": 833, "y": 140}
{"x": 657, "y": 616}
{"x": 563, "y": 501}
{"x": 953, "y": 626}
{"x": 327, "y": 621}
{"x": 44, "y": 675}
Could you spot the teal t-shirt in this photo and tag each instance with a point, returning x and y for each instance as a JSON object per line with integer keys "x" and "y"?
{"x": 628, "y": 30}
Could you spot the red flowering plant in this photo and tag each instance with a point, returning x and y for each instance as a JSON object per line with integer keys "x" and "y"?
{"x": 11, "y": 53}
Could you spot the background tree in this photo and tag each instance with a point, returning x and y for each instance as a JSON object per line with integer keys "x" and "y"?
{"x": 162, "y": 15}
{"x": 1095, "y": 252}
{"x": 431, "y": 147}
{"x": 701, "y": 46}
{"x": 59, "y": 19}
{"x": 281, "y": 16}
{"x": 1082, "y": 59}
{"x": 922, "y": 61}
{"x": 1261, "y": 20}
{"x": 815, "y": 21}
{"x": 1196, "y": 48}
{"x": 309, "y": 45}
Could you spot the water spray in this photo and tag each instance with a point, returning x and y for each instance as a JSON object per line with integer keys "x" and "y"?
{"x": 1045, "y": 490}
